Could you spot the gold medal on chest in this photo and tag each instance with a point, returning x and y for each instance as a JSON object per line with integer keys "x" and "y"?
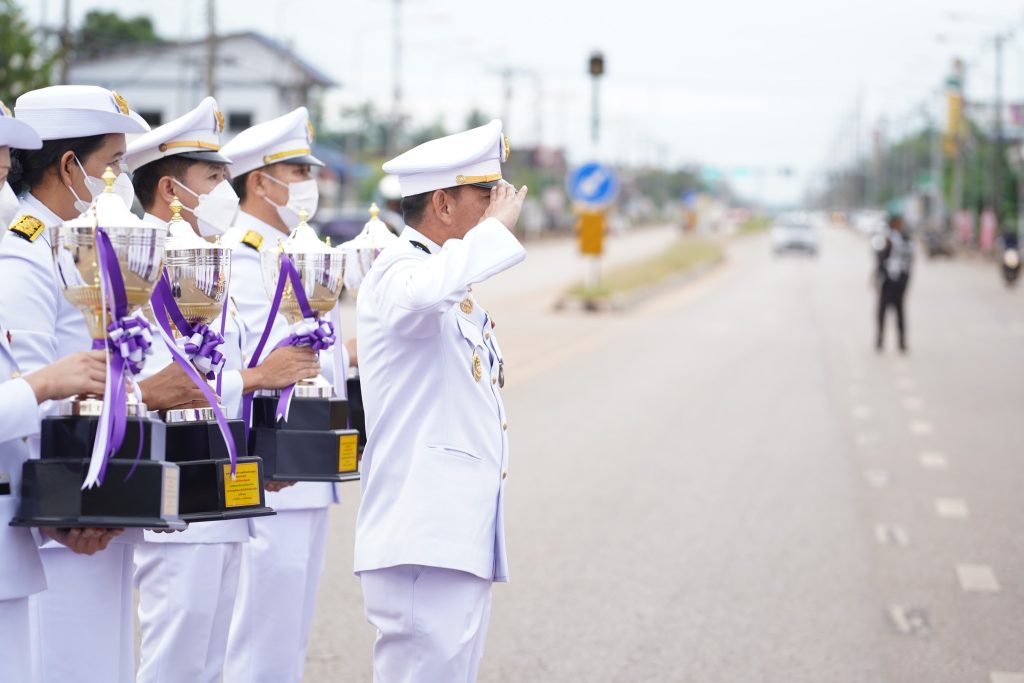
{"x": 478, "y": 368}
{"x": 466, "y": 306}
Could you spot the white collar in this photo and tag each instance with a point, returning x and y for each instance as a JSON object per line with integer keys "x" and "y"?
{"x": 150, "y": 218}
{"x": 411, "y": 234}
{"x": 270, "y": 234}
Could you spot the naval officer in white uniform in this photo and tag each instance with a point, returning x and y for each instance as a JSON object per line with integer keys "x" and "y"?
{"x": 271, "y": 171}
{"x": 21, "y": 570}
{"x": 429, "y": 535}
{"x": 83, "y": 622}
{"x": 188, "y": 581}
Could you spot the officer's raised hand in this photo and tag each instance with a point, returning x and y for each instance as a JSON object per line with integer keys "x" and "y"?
{"x": 506, "y": 203}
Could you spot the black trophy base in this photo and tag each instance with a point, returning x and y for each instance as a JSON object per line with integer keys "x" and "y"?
{"x": 71, "y": 437}
{"x": 307, "y": 455}
{"x": 52, "y": 495}
{"x": 208, "y": 493}
{"x": 312, "y": 414}
{"x": 202, "y": 440}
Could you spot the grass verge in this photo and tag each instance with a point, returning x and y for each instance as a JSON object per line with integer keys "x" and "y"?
{"x": 682, "y": 256}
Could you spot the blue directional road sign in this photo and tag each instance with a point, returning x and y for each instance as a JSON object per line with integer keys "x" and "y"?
{"x": 594, "y": 184}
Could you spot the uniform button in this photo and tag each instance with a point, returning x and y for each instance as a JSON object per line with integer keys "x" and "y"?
{"x": 15, "y": 375}
{"x": 494, "y": 380}
{"x": 504, "y": 426}
{"x": 487, "y": 335}
{"x": 504, "y": 474}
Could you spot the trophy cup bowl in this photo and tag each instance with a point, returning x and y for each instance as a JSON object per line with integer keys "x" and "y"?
{"x": 52, "y": 486}
{"x": 314, "y": 443}
{"x": 321, "y": 270}
{"x": 198, "y": 273}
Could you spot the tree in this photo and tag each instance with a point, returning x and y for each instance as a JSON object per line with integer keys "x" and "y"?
{"x": 104, "y": 32}
{"x": 24, "y": 64}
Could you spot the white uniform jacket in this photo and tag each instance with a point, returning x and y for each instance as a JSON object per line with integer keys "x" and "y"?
{"x": 44, "y": 326}
{"x": 434, "y": 468}
{"x": 250, "y": 295}
{"x": 21, "y": 571}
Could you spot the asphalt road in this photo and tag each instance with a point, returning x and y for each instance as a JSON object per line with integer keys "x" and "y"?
{"x": 728, "y": 483}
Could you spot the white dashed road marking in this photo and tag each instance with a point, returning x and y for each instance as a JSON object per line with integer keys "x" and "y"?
{"x": 876, "y": 478}
{"x": 977, "y": 578}
{"x": 1004, "y": 677}
{"x": 921, "y": 427}
{"x": 952, "y": 508}
{"x": 934, "y": 461}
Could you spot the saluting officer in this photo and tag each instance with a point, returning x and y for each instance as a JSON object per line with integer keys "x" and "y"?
{"x": 429, "y": 535}
{"x": 21, "y": 571}
{"x": 271, "y": 172}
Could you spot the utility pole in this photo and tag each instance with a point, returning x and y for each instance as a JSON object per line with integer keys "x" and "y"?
{"x": 65, "y": 44}
{"x": 396, "y": 74}
{"x": 596, "y": 71}
{"x": 999, "y": 154}
{"x": 211, "y": 48}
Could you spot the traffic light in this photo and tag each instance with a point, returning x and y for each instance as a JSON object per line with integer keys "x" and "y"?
{"x": 596, "y": 64}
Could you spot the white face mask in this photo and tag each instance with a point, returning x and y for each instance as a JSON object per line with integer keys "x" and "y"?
{"x": 8, "y": 208}
{"x": 216, "y": 210}
{"x": 122, "y": 188}
{"x": 301, "y": 195}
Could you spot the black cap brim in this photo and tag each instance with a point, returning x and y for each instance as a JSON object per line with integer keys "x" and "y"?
{"x": 305, "y": 159}
{"x": 209, "y": 156}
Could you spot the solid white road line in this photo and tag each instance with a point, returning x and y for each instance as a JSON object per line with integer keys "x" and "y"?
{"x": 977, "y": 578}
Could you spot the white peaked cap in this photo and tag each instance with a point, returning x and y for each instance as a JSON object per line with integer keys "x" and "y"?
{"x": 196, "y": 135}
{"x": 74, "y": 111}
{"x": 15, "y": 133}
{"x": 473, "y": 157}
{"x": 286, "y": 139}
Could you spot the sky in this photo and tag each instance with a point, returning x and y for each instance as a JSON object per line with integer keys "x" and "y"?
{"x": 745, "y": 85}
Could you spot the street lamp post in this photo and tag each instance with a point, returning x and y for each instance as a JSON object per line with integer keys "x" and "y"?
{"x": 596, "y": 71}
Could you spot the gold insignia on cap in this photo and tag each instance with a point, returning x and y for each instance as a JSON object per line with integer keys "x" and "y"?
{"x": 253, "y": 239}
{"x": 28, "y": 227}
{"x": 506, "y": 148}
{"x": 470, "y": 179}
{"x": 4, "y": 111}
{"x": 121, "y": 102}
{"x": 220, "y": 120}
{"x": 310, "y": 130}
{"x": 478, "y": 368}
{"x": 466, "y": 306}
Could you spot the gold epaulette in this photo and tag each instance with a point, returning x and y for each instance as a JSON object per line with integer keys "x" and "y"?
{"x": 253, "y": 239}
{"x": 28, "y": 228}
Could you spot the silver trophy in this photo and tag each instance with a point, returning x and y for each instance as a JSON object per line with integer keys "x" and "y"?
{"x": 313, "y": 442}
{"x": 137, "y": 489}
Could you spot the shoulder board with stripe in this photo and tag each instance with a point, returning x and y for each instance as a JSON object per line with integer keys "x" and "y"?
{"x": 253, "y": 239}
{"x": 28, "y": 228}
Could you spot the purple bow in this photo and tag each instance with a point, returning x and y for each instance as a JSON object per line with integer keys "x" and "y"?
{"x": 313, "y": 332}
{"x": 132, "y": 338}
{"x": 201, "y": 348}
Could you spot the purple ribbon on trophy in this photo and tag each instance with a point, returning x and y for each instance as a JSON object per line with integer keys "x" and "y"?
{"x": 310, "y": 331}
{"x": 166, "y": 310}
{"x": 129, "y": 340}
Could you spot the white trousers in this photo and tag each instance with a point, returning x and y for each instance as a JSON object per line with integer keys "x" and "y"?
{"x": 82, "y": 627}
{"x": 431, "y": 623}
{"x": 281, "y": 570}
{"x": 15, "y": 645}
{"x": 186, "y": 597}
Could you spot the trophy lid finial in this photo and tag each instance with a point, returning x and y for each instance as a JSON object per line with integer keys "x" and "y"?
{"x": 374, "y": 210}
{"x": 176, "y": 207}
{"x": 303, "y": 216}
{"x": 328, "y": 239}
{"x": 108, "y": 178}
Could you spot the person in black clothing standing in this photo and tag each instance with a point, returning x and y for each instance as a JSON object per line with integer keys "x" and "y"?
{"x": 895, "y": 255}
